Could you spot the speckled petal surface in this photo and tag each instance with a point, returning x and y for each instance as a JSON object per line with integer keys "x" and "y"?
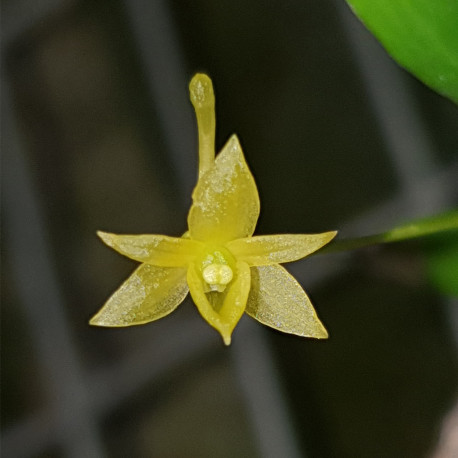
{"x": 148, "y": 294}
{"x": 275, "y": 249}
{"x": 222, "y": 310}
{"x": 277, "y": 300}
{"x": 225, "y": 201}
{"x": 159, "y": 250}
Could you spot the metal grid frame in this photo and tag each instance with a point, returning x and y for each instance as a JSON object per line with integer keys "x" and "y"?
{"x": 81, "y": 401}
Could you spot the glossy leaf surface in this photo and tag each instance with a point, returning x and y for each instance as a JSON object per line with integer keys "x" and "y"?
{"x": 441, "y": 253}
{"x": 421, "y": 35}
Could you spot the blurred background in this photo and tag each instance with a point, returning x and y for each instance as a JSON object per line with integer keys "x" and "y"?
{"x": 98, "y": 134}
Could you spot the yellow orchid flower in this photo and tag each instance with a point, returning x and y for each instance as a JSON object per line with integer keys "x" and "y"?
{"x": 227, "y": 270}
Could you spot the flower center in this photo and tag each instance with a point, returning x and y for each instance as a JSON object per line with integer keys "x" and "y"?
{"x": 216, "y": 266}
{"x": 217, "y": 276}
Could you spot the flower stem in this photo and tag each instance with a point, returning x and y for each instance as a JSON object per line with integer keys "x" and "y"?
{"x": 418, "y": 228}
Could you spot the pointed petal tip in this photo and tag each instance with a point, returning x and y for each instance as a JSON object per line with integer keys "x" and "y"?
{"x": 234, "y": 138}
{"x": 97, "y": 320}
{"x": 94, "y": 322}
{"x": 323, "y": 335}
{"x": 234, "y": 143}
{"x": 319, "y": 331}
{"x": 106, "y": 237}
{"x": 226, "y": 339}
{"x": 330, "y": 235}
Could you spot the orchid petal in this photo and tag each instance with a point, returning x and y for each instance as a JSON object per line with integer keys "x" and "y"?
{"x": 221, "y": 310}
{"x": 148, "y": 294}
{"x": 275, "y": 249}
{"x": 159, "y": 250}
{"x": 277, "y": 300}
{"x": 225, "y": 201}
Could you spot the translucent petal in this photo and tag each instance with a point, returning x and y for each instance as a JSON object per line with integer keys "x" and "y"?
{"x": 148, "y": 294}
{"x": 277, "y": 300}
{"x": 225, "y": 201}
{"x": 159, "y": 250}
{"x": 221, "y": 310}
{"x": 274, "y": 249}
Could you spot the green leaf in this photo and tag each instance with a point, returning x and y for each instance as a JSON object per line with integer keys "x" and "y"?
{"x": 421, "y": 35}
{"x": 413, "y": 229}
{"x": 441, "y": 252}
